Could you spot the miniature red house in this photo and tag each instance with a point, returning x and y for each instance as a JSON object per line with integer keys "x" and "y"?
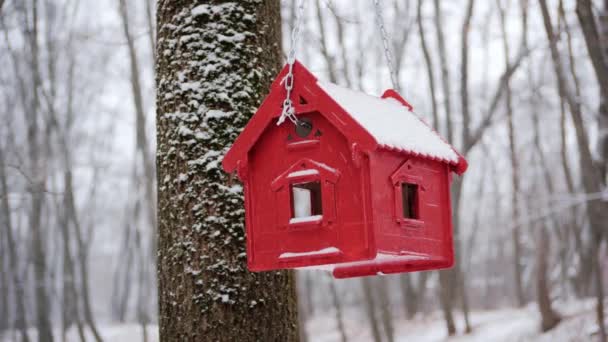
{"x": 364, "y": 189}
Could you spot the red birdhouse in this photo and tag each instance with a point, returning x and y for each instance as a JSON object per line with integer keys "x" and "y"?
{"x": 362, "y": 189}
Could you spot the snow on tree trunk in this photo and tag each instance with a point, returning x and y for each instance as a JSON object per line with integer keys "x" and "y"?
{"x": 215, "y": 62}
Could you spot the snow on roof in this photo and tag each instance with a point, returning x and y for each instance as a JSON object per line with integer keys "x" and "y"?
{"x": 391, "y": 123}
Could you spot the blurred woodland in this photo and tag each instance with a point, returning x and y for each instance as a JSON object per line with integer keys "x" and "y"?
{"x": 520, "y": 87}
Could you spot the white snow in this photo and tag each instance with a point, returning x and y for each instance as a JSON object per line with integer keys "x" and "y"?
{"x": 499, "y": 325}
{"x": 391, "y": 123}
{"x": 328, "y": 250}
{"x": 306, "y": 219}
{"x": 303, "y": 173}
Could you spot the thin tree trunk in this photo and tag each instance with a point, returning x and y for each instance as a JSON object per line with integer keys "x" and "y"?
{"x": 585, "y": 272}
{"x": 410, "y": 300}
{"x": 83, "y": 257}
{"x": 149, "y": 6}
{"x": 448, "y": 279}
{"x": 515, "y": 233}
{"x": 329, "y": 60}
{"x": 7, "y": 224}
{"x": 341, "y": 44}
{"x": 141, "y": 140}
{"x": 70, "y": 303}
{"x": 385, "y": 309}
{"x": 430, "y": 67}
{"x": 596, "y": 39}
{"x": 205, "y": 289}
{"x": 445, "y": 75}
{"x": 303, "y": 300}
{"x": 549, "y": 318}
{"x": 335, "y": 297}
{"x": 38, "y": 178}
{"x": 5, "y": 305}
{"x": 446, "y": 292}
{"x": 599, "y": 290}
{"x": 591, "y": 177}
{"x": 370, "y": 308}
{"x": 464, "y": 92}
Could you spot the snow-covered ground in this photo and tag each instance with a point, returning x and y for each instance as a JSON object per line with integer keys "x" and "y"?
{"x": 510, "y": 325}
{"x": 110, "y": 333}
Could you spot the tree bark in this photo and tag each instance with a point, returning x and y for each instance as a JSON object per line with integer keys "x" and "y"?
{"x": 216, "y": 60}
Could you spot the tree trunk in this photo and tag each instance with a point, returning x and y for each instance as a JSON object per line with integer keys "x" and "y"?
{"x": 215, "y": 63}
{"x": 43, "y": 322}
{"x": 445, "y": 75}
{"x": 4, "y": 287}
{"x": 408, "y": 292}
{"x": 385, "y": 309}
{"x": 303, "y": 301}
{"x": 370, "y": 308}
{"x": 446, "y": 292}
{"x": 599, "y": 290}
{"x": 7, "y": 224}
{"x": 596, "y": 39}
{"x": 429, "y": 66}
{"x": 515, "y": 233}
{"x": 549, "y": 318}
{"x": 591, "y": 177}
{"x": 335, "y": 296}
{"x": 83, "y": 257}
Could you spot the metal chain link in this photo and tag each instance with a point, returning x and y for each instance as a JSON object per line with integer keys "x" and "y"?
{"x": 385, "y": 42}
{"x": 288, "y": 108}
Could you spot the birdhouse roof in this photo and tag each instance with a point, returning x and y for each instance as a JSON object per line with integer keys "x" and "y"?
{"x": 386, "y": 122}
{"x": 392, "y": 122}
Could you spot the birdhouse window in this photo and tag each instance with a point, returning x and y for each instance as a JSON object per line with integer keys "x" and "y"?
{"x": 409, "y": 201}
{"x": 306, "y": 201}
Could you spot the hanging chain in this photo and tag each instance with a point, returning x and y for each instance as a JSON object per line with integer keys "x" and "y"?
{"x": 289, "y": 111}
{"x": 385, "y": 42}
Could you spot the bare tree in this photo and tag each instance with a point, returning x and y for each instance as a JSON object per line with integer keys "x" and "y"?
{"x": 385, "y": 309}
{"x": 597, "y": 47}
{"x": 18, "y": 288}
{"x": 590, "y": 175}
{"x": 36, "y": 165}
{"x": 516, "y": 234}
{"x": 370, "y": 308}
{"x": 430, "y": 67}
{"x": 335, "y": 296}
{"x": 329, "y": 60}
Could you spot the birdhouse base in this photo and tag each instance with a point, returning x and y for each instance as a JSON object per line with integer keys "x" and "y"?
{"x": 384, "y": 264}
